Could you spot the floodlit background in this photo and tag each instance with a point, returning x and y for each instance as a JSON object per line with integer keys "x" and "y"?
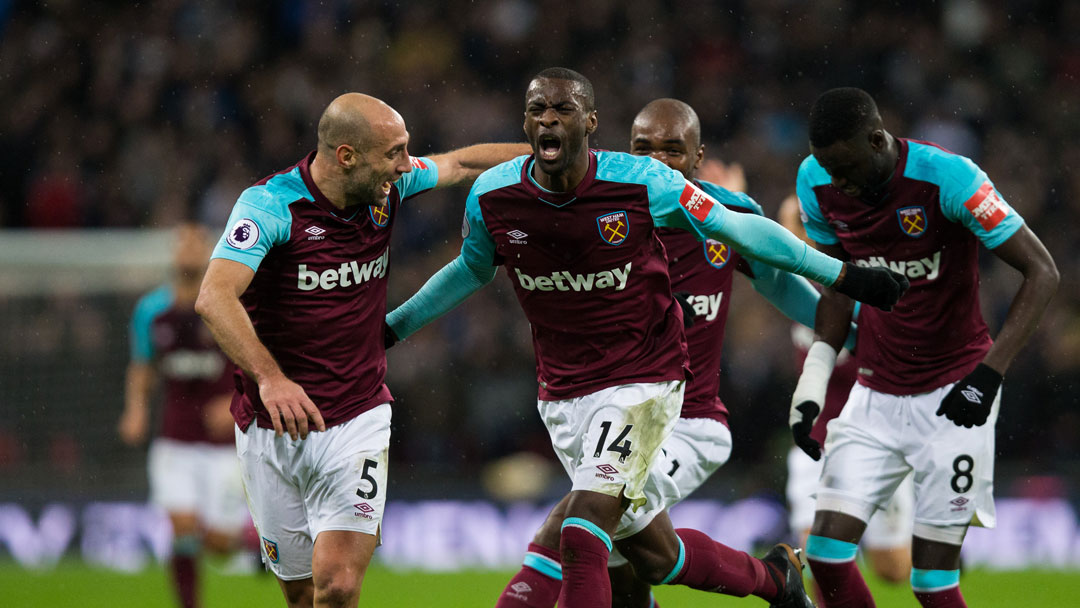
{"x": 120, "y": 119}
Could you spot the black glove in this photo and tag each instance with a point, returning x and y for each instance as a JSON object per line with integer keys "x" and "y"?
{"x": 682, "y": 298}
{"x": 968, "y": 403}
{"x": 877, "y": 286}
{"x": 389, "y": 337}
{"x": 800, "y": 429}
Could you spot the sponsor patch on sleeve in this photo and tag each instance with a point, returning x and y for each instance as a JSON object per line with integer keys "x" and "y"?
{"x": 243, "y": 234}
{"x": 694, "y": 200}
{"x": 987, "y": 207}
{"x": 417, "y": 163}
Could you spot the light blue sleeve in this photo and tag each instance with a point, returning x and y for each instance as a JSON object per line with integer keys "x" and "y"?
{"x": 423, "y": 177}
{"x": 810, "y": 176}
{"x": 967, "y": 194}
{"x": 456, "y": 281}
{"x": 148, "y": 308}
{"x": 677, "y": 203}
{"x": 258, "y": 222}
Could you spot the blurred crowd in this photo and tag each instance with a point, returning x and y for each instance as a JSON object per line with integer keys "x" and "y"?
{"x": 120, "y": 114}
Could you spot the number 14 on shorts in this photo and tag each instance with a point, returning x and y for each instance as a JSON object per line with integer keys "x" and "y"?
{"x": 620, "y": 445}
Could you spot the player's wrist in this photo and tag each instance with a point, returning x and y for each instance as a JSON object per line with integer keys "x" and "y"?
{"x": 814, "y": 380}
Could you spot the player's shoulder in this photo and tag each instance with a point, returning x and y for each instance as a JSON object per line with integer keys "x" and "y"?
{"x": 155, "y": 301}
{"x": 929, "y": 162}
{"x": 273, "y": 194}
{"x": 630, "y": 168}
{"x": 812, "y": 173}
{"x": 500, "y": 176}
{"x": 739, "y": 201}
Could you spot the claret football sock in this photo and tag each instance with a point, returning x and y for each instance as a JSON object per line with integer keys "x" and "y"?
{"x": 585, "y": 549}
{"x": 937, "y": 588}
{"x": 833, "y": 564}
{"x": 711, "y": 566}
{"x": 184, "y": 569}
{"x": 538, "y": 582}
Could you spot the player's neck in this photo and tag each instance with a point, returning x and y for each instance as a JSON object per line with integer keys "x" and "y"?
{"x": 325, "y": 181}
{"x": 568, "y": 179}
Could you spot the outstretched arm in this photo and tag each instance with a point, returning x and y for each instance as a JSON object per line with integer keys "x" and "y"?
{"x": 447, "y": 288}
{"x": 462, "y": 166}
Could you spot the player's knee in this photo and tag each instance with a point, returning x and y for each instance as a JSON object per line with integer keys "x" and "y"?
{"x": 342, "y": 588}
{"x": 299, "y": 594}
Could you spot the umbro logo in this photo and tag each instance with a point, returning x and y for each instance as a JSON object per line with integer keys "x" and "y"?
{"x": 521, "y": 587}
{"x": 316, "y": 233}
{"x": 607, "y": 468}
{"x": 362, "y": 510}
{"x": 972, "y": 394}
{"x": 959, "y": 501}
{"x": 517, "y": 237}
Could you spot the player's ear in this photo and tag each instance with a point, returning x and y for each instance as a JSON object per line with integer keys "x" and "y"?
{"x": 878, "y": 139}
{"x": 591, "y": 123}
{"x": 346, "y": 155}
{"x": 700, "y": 158}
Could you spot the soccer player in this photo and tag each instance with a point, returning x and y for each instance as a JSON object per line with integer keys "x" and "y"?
{"x": 296, "y": 296}
{"x": 929, "y": 375}
{"x": 192, "y": 464}
{"x": 574, "y": 228}
{"x": 702, "y": 276}
{"x": 887, "y": 541}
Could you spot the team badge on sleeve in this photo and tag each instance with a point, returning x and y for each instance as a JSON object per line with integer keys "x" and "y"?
{"x": 716, "y": 253}
{"x": 243, "y": 234}
{"x": 270, "y": 547}
{"x": 694, "y": 200}
{"x": 380, "y": 216}
{"x": 613, "y": 227}
{"x": 987, "y": 207}
{"x": 912, "y": 220}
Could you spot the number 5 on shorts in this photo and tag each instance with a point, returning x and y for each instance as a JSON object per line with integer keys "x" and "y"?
{"x": 368, "y": 464}
{"x": 623, "y": 450}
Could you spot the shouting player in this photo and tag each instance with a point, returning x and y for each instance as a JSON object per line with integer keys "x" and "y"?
{"x": 928, "y": 373}
{"x": 194, "y": 475}
{"x": 574, "y": 228}
{"x": 296, "y": 296}
{"x": 701, "y": 274}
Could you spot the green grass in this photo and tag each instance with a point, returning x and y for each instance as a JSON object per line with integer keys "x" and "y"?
{"x": 74, "y": 584}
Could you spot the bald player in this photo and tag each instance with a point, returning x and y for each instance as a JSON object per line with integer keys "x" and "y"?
{"x": 296, "y": 296}
{"x": 702, "y": 276}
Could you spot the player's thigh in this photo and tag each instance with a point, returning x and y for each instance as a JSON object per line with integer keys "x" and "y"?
{"x": 694, "y": 451}
{"x": 862, "y": 463}
{"x": 277, "y": 506}
{"x": 348, "y": 474}
{"x": 341, "y": 558}
{"x": 954, "y": 467}
{"x": 801, "y": 487}
{"x": 174, "y": 475}
{"x": 223, "y": 508}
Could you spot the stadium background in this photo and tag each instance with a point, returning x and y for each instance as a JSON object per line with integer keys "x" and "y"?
{"x": 120, "y": 119}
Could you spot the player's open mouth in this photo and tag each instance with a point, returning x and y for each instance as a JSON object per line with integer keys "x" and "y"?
{"x": 386, "y": 188}
{"x": 549, "y": 147}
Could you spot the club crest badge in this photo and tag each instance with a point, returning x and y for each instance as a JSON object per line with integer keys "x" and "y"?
{"x": 912, "y": 220}
{"x": 716, "y": 253}
{"x": 380, "y": 216}
{"x": 270, "y": 547}
{"x": 614, "y": 227}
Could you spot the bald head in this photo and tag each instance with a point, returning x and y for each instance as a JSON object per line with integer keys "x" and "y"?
{"x": 356, "y": 120}
{"x": 669, "y": 131}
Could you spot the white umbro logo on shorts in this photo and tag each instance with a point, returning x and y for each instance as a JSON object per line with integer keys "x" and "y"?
{"x": 316, "y": 233}
{"x": 517, "y": 237}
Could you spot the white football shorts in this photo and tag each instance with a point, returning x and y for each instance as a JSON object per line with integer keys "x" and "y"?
{"x": 879, "y": 438}
{"x": 609, "y": 442}
{"x": 889, "y": 528}
{"x": 333, "y": 480}
{"x": 200, "y": 478}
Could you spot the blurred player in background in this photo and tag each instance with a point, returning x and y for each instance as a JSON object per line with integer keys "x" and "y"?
{"x": 702, "y": 277}
{"x": 194, "y": 474}
{"x": 928, "y": 373}
{"x": 296, "y": 296}
{"x": 574, "y": 228}
{"x": 887, "y": 541}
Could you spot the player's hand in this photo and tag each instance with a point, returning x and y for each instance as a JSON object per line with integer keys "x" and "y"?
{"x": 289, "y": 407}
{"x": 132, "y": 426}
{"x": 968, "y": 403}
{"x": 801, "y": 420}
{"x": 682, "y": 298}
{"x": 877, "y": 286}
{"x": 389, "y": 337}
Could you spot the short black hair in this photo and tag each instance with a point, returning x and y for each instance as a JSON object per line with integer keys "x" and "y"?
{"x": 839, "y": 115}
{"x": 568, "y": 74}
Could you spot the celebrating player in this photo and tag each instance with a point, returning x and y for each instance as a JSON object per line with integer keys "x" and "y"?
{"x": 574, "y": 228}
{"x": 194, "y": 475}
{"x": 296, "y": 296}
{"x": 701, "y": 274}
{"x": 929, "y": 375}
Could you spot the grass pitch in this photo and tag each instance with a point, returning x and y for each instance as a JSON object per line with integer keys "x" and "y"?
{"x": 74, "y": 584}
